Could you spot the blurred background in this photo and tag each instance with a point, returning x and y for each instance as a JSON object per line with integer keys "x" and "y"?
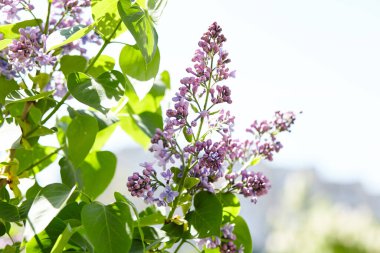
{"x": 320, "y": 57}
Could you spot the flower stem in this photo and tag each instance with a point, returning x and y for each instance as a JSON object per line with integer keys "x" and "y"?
{"x": 180, "y": 245}
{"x": 188, "y": 167}
{"x": 47, "y": 19}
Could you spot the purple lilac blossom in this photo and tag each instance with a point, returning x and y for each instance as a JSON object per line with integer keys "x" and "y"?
{"x": 28, "y": 51}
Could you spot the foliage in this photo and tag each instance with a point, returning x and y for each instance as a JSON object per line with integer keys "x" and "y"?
{"x": 46, "y": 72}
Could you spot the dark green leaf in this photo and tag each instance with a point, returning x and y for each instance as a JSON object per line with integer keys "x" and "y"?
{"x": 8, "y": 212}
{"x": 72, "y": 63}
{"x": 11, "y": 31}
{"x": 45, "y": 207}
{"x": 133, "y": 64}
{"x": 103, "y": 63}
{"x": 231, "y": 206}
{"x": 68, "y": 172}
{"x": 7, "y": 86}
{"x": 3, "y": 229}
{"x": 32, "y": 192}
{"x": 101, "y": 93}
{"x": 141, "y": 26}
{"x": 112, "y": 232}
{"x": 104, "y": 121}
{"x": 81, "y": 135}
{"x": 46, "y": 238}
{"x": 207, "y": 216}
{"x": 243, "y": 236}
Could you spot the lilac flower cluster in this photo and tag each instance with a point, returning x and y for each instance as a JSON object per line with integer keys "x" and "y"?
{"x": 29, "y": 51}
{"x": 225, "y": 243}
{"x": 252, "y": 184}
{"x": 210, "y": 153}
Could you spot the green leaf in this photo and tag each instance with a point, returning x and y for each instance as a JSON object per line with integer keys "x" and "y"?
{"x": 101, "y": 93}
{"x": 151, "y": 216}
{"x": 11, "y": 31}
{"x": 41, "y": 80}
{"x": 7, "y": 86}
{"x": 207, "y": 216}
{"x": 81, "y": 135}
{"x": 63, "y": 239}
{"x": 231, "y": 206}
{"x": 254, "y": 160}
{"x": 96, "y": 172}
{"x": 103, "y": 120}
{"x": 133, "y": 64}
{"x": 8, "y": 212}
{"x": 3, "y": 228}
{"x": 112, "y": 232}
{"x": 190, "y": 182}
{"x": 65, "y": 36}
{"x": 19, "y": 96}
{"x": 37, "y": 158}
{"x": 103, "y": 63}
{"x": 102, "y": 137}
{"x": 32, "y": 192}
{"x": 47, "y": 237}
{"x": 104, "y": 12}
{"x": 4, "y": 43}
{"x": 45, "y": 207}
{"x": 130, "y": 126}
{"x": 243, "y": 236}
{"x": 141, "y": 26}
{"x": 72, "y": 63}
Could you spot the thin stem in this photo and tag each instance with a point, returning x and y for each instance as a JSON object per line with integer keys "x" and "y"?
{"x": 195, "y": 247}
{"x": 47, "y": 19}
{"x": 180, "y": 245}
{"x": 59, "y": 21}
{"x": 26, "y": 7}
{"x": 10, "y": 237}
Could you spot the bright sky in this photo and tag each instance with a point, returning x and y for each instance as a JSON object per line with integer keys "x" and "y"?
{"x": 321, "y": 57}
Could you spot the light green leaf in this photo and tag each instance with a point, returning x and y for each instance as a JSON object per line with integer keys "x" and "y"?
{"x": 96, "y": 172}
{"x": 141, "y": 26}
{"x": 133, "y": 64}
{"x": 102, "y": 137}
{"x": 19, "y": 96}
{"x": 81, "y": 135}
{"x": 72, "y": 63}
{"x": 129, "y": 125}
{"x": 63, "y": 239}
{"x": 103, "y": 63}
{"x": 45, "y": 207}
{"x": 65, "y": 36}
{"x": 231, "y": 206}
{"x": 151, "y": 216}
{"x": 207, "y": 216}
{"x": 11, "y": 31}
{"x": 112, "y": 232}
{"x": 28, "y": 158}
{"x": 41, "y": 80}
{"x": 4, "y": 43}
{"x": 190, "y": 182}
{"x": 104, "y": 12}
{"x": 243, "y": 236}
